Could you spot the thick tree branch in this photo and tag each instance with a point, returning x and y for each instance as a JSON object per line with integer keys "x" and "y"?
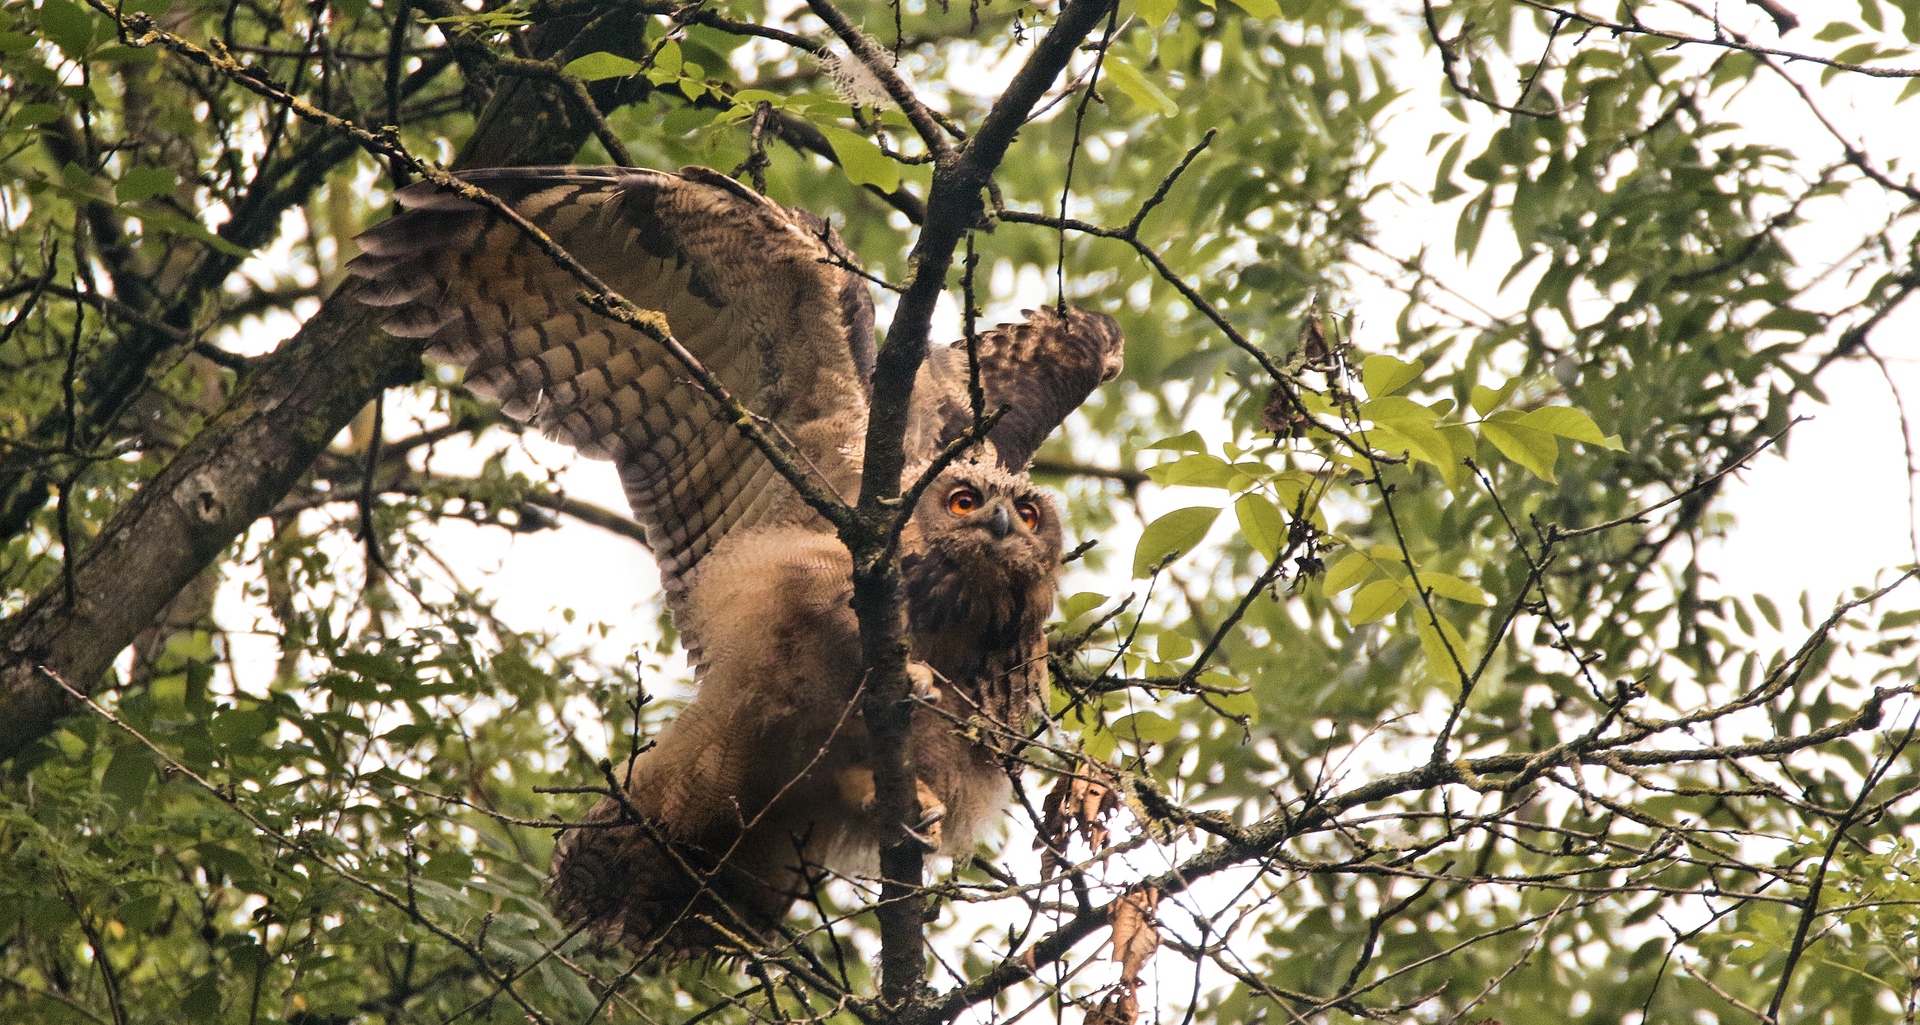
{"x": 227, "y": 477}
{"x": 954, "y": 206}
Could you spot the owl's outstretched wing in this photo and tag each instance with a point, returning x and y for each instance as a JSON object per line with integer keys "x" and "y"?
{"x": 750, "y": 287}
{"x": 1040, "y": 370}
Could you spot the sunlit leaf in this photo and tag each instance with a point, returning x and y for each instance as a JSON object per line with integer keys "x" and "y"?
{"x": 1383, "y": 375}
{"x": 1531, "y": 447}
{"x": 1155, "y": 12}
{"x": 1486, "y": 400}
{"x": 1147, "y": 727}
{"x": 1171, "y": 536}
{"x": 862, "y": 159}
{"x": 1199, "y": 470}
{"x": 1187, "y": 442}
{"x": 1262, "y": 9}
{"x": 1447, "y": 585}
{"x": 1261, "y": 524}
{"x": 1137, "y": 86}
{"x": 600, "y": 64}
{"x": 1378, "y": 600}
{"x": 1445, "y": 648}
{"x": 1352, "y": 568}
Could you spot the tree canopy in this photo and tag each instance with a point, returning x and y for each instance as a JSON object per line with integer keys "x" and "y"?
{"x": 1392, "y": 682}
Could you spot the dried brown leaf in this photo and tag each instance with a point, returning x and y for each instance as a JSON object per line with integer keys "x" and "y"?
{"x": 1077, "y": 803}
{"x": 1135, "y": 932}
{"x": 1313, "y": 341}
{"x": 1282, "y": 415}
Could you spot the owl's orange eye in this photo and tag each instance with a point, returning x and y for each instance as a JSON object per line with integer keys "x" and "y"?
{"x": 963, "y": 501}
{"x": 1029, "y": 514}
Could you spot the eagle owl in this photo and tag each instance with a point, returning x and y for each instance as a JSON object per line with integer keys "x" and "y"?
{"x": 762, "y": 781}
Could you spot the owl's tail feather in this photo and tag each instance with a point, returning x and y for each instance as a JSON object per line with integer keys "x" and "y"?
{"x": 630, "y": 883}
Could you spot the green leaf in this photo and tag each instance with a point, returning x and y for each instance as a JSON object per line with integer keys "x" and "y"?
{"x": 1446, "y": 585}
{"x": 747, "y": 99}
{"x": 1197, "y": 471}
{"x": 1170, "y": 537}
{"x": 1473, "y": 221}
{"x": 861, "y": 159}
{"x": 1377, "y": 600}
{"x": 1352, "y": 568}
{"x": 120, "y": 53}
{"x": 379, "y": 667}
{"x": 1261, "y": 524}
{"x": 1137, "y": 86}
{"x": 600, "y": 64}
{"x": 144, "y": 183}
{"x": 1422, "y": 442}
{"x": 1444, "y": 647}
{"x": 1384, "y": 375}
{"x": 68, "y": 26}
{"x": 202, "y": 1000}
{"x": 172, "y": 224}
{"x": 451, "y": 866}
{"x": 1565, "y": 421}
{"x": 1486, "y": 400}
{"x": 1531, "y": 447}
{"x": 29, "y": 114}
{"x": 218, "y": 858}
{"x": 128, "y": 774}
{"x": 406, "y": 735}
{"x": 1077, "y": 605}
{"x": 1146, "y": 727}
{"x": 1095, "y": 739}
{"x": 1172, "y": 646}
{"x": 1242, "y": 704}
{"x": 1262, "y": 9}
{"x": 1785, "y": 318}
{"x": 1398, "y": 407}
{"x": 1188, "y": 442}
{"x": 1156, "y": 12}
{"x": 234, "y": 726}
{"x": 666, "y": 63}
{"x": 1443, "y": 187}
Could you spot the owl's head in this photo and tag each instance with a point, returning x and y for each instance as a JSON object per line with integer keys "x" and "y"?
{"x": 978, "y": 514}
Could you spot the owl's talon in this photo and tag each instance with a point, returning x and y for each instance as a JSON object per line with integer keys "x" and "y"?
{"x": 928, "y": 837}
{"x": 932, "y": 810}
{"x": 923, "y": 678}
{"x": 927, "y": 831}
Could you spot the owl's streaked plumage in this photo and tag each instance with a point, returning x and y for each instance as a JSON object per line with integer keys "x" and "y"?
{"x": 762, "y": 779}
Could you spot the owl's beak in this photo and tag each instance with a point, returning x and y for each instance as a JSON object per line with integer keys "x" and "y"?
{"x": 1002, "y": 522}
